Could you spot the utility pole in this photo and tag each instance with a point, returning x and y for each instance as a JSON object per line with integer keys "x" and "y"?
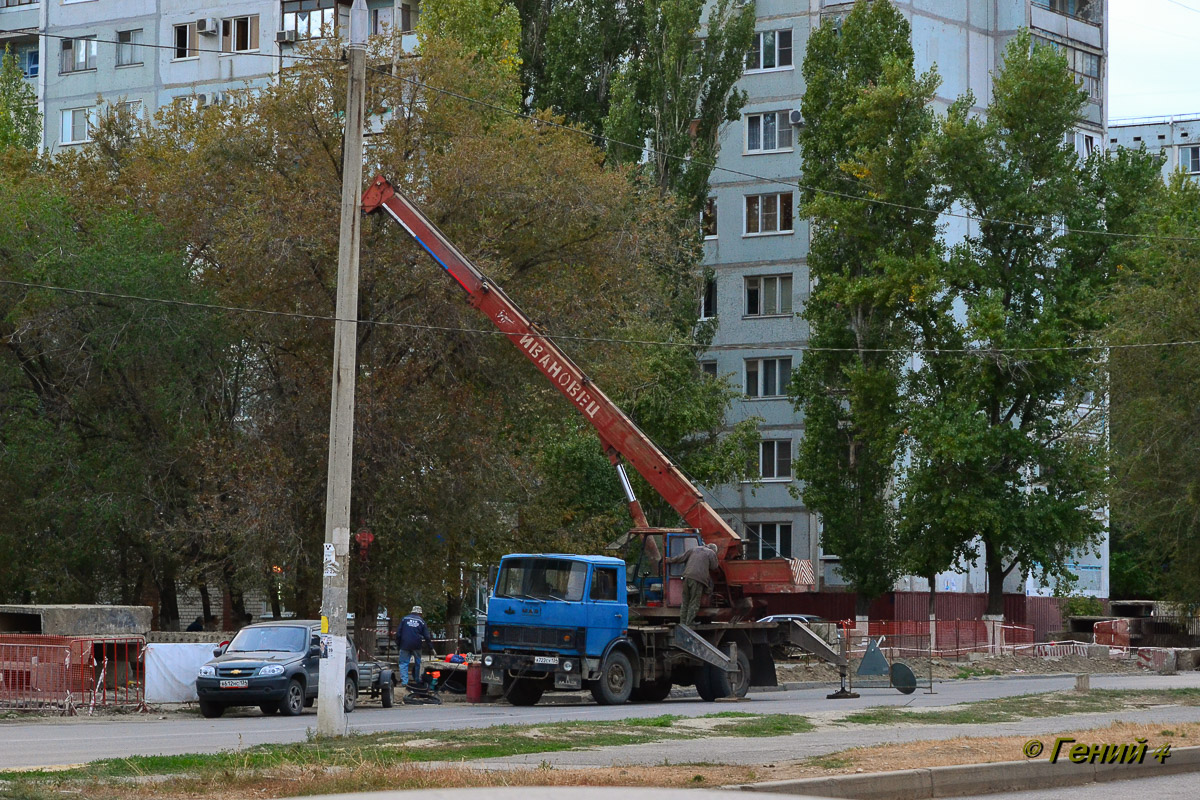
{"x": 335, "y": 561}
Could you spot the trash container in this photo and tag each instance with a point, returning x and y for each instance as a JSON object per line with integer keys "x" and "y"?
{"x": 474, "y": 683}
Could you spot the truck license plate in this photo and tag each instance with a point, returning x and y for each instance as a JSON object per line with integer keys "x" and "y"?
{"x": 545, "y": 659}
{"x": 235, "y": 684}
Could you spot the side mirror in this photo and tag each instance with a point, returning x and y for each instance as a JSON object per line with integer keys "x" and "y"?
{"x": 220, "y": 649}
{"x": 314, "y": 651}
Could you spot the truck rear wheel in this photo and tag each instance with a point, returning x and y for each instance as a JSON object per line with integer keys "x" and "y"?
{"x": 711, "y": 682}
{"x": 615, "y": 683}
{"x": 523, "y": 691}
{"x": 651, "y": 691}
{"x": 739, "y": 682}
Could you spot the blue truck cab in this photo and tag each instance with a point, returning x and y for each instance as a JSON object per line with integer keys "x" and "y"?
{"x": 559, "y": 621}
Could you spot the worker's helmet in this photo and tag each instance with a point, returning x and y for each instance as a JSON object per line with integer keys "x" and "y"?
{"x": 416, "y": 610}
{"x": 711, "y": 546}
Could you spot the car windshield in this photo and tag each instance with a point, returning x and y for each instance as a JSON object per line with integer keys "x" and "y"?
{"x": 279, "y": 638}
{"x": 542, "y": 579}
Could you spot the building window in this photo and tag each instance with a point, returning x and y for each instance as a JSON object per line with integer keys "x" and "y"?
{"x": 381, "y": 21}
{"x": 239, "y": 34}
{"x": 769, "y": 132}
{"x": 132, "y": 108}
{"x": 29, "y": 61}
{"x": 708, "y": 300}
{"x": 708, "y": 218}
{"x": 1083, "y": 9}
{"x": 709, "y": 368}
{"x": 78, "y": 54}
{"x": 15, "y": 3}
{"x": 77, "y": 125}
{"x": 309, "y": 18}
{"x": 408, "y": 18}
{"x": 770, "y": 50}
{"x": 775, "y": 459}
{"x": 1189, "y": 159}
{"x": 769, "y": 213}
{"x": 767, "y": 377}
{"x": 128, "y": 51}
{"x": 1084, "y": 66}
{"x": 768, "y": 295}
{"x": 769, "y": 539}
{"x": 186, "y": 43}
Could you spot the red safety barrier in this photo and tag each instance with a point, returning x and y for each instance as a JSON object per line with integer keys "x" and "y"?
{"x": 950, "y": 639}
{"x": 42, "y": 673}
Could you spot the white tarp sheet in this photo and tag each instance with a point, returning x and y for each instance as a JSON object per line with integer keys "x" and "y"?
{"x": 171, "y": 671}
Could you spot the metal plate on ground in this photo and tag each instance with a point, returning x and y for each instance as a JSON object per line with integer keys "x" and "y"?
{"x": 903, "y": 679}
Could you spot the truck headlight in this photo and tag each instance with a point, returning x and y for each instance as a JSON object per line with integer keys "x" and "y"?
{"x": 487, "y": 661}
{"x": 568, "y": 666}
{"x": 271, "y": 669}
{"x": 208, "y": 671}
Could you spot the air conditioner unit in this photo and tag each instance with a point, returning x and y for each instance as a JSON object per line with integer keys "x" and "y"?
{"x": 209, "y": 99}
{"x": 207, "y": 26}
{"x": 796, "y": 118}
{"x": 286, "y": 37}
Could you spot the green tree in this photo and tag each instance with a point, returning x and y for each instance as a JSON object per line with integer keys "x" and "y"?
{"x": 1155, "y": 424}
{"x": 679, "y": 90}
{"x": 20, "y": 123}
{"x": 1007, "y": 446}
{"x": 488, "y": 31}
{"x": 867, "y": 139}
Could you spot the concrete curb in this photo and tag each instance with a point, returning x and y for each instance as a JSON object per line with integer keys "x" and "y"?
{"x": 977, "y": 779}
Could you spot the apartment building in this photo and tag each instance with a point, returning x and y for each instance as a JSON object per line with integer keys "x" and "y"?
{"x": 756, "y": 244}
{"x": 83, "y": 54}
{"x": 1176, "y": 137}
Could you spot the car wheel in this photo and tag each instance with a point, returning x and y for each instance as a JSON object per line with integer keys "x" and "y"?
{"x": 269, "y": 708}
{"x": 615, "y": 683}
{"x": 211, "y": 710}
{"x": 386, "y": 695}
{"x": 292, "y": 704}
{"x": 351, "y": 697}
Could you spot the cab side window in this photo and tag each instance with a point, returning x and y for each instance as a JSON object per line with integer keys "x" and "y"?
{"x": 604, "y": 584}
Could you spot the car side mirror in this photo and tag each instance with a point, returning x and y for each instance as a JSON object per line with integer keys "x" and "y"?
{"x": 220, "y": 649}
{"x": 314, "y": 651}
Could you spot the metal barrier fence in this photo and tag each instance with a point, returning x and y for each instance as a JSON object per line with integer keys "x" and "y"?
{"x": 950, "y": 639}
{"x": 60, "y": 673}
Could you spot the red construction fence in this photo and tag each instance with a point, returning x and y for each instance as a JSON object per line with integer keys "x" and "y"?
{"x": 950, "y": 639}
{"x": 64, "y": 673}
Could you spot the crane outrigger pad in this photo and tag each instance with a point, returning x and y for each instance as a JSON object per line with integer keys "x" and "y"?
{"x": 693, "y": 644}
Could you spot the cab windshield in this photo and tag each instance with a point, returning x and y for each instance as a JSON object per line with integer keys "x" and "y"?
{"x": 541, "y": 579}
{"x": 286, "y": 639}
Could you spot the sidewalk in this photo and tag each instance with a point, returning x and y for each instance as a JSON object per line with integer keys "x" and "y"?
{"x": 828, "y": 738}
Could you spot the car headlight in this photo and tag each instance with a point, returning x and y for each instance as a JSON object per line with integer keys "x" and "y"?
{"x": 208, "y": 671}
{"x": 271, "y": 669}
{"x": 487, "y": 661}
{"x": 568, "y": 666}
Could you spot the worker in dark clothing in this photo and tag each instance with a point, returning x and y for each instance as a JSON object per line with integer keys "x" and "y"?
{"x": 411, "y": 634}
{"x": 698, "y": 566}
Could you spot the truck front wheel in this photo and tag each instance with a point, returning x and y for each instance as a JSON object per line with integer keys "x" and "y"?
{"x": 524, "y": 692}
{"x": 615, "y": 683}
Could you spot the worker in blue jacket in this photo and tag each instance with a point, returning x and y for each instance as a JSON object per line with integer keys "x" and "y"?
{"x": 411, "y": 634}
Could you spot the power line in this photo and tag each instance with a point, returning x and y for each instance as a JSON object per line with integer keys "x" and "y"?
{"x": 934, "y": 351}
{"x": 651, "y": 151}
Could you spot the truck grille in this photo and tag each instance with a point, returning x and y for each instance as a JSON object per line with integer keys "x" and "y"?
{"x": 501, "y": 636}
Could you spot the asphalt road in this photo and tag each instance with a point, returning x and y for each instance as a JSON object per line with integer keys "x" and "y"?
{"x": 58, "y": 741}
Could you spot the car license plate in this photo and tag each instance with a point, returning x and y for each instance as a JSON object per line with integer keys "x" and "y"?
{"x": 243, "y": 684}
{"x": 545, "y": 659}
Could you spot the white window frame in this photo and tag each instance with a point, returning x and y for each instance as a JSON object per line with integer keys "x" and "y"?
{"x": 774, "y": 291}
{"x": 780, "y": 532}
{"x": 780, "y": 367}
{"x": 383, "y": 21}
{"x": 756, "y": 51}
{"x": 768, "y": 207}
{"x": 71, "y": 136}
{"x": 30, "y": 62}
{"x": 72, "y": 46}
{"x": 192, "y": 50}
{"x": 1189, "y": 159}
{"x": 709, "y": 219}
{"x": 768, "y": 452}
{"x": 129, "y": 53}
{"x": 781, "y": 126}
{"x": 229, "y": 34}
{"x": 306, "y": 27}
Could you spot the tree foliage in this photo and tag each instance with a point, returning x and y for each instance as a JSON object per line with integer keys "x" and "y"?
{"x": 20, "y": 123}
{"x": 1155, "y": 425}
{"x": 868, "y": 138}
